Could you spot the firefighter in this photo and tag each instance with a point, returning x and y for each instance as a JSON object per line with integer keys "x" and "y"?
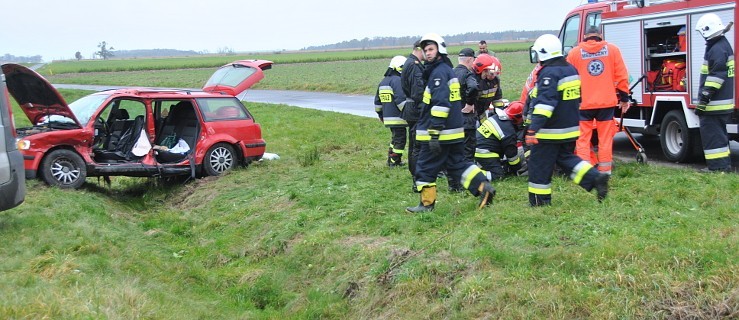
{"x": 389, "y": 104}
{"x": 554, "y": 126}
{"x": 716, "y": 93}
{"x": 489, "y": 89}
{"x": 440, "y": 131}
{"x": 468, "y": 89}
{"x": 413, "y": 87}
{"x": 497, "y": 136}
{"x": 605, "y": 84}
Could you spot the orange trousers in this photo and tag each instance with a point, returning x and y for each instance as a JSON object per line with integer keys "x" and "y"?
{"x": 584, "y": 149}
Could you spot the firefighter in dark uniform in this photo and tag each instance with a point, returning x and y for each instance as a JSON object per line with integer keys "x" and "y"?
{"x": 716, "y": 93}
{"x": 389, "y": 104}
{"x": 490, "y": 92}
{"x": 497, "y": 136}
{"x": 554, "y": 126}
{"x": 440, "y": 131}
{"x": 468, "y": 88}
{"x": 413, "y": 86}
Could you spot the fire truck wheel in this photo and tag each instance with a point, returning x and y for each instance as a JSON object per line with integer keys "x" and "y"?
{"x": 679, "y": 143}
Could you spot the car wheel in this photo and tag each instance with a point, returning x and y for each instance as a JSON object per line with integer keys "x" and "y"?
{"x": 64, "y": 169}
{"x": 219, "y": 159}
{"x": 679, "y": 143}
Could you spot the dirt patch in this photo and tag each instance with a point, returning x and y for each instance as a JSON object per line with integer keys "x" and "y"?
{"x": 689, "y": 302}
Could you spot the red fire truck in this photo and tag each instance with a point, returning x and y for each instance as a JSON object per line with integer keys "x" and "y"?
{"x": 663, "y": 55}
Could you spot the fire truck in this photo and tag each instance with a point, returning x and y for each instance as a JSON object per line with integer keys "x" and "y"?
{"x": 655, "y": 36}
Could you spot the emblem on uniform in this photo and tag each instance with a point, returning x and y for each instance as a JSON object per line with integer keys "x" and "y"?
{"x": 545, "y": 81}
{"x": 436, "y": 82}
{"x": 596, "y": 67}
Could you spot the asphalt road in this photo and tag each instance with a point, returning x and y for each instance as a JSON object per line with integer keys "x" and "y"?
{"x": 363, "y": 105}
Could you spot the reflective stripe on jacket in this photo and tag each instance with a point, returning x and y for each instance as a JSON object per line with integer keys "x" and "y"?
{"x": 390, "y": 100}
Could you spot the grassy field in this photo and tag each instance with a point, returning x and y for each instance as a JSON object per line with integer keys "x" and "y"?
{"x": 114, "y": 65}
{"x": 321, "y": 233}
{"x": 354, "y": 77}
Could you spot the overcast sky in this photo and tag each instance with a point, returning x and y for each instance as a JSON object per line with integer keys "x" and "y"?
{"x": 56, "y": 29}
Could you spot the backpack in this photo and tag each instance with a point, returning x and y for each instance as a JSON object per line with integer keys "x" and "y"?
{"x": 671, "y": 77}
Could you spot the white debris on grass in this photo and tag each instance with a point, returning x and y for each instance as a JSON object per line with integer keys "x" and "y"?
{"x": 270, "y": 156}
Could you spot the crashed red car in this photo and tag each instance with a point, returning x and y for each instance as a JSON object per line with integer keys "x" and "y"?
{"x": 138, "y": 132}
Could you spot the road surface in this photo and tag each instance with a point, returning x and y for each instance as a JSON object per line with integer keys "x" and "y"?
{"x": 363, "y": 105}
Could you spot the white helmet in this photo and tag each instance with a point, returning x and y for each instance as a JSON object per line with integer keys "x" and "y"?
{"x": 710, "y": 26}
{"x": 547, "y": 47}
{"x": 436, "y": 39}
{"x": 396, "y": 63}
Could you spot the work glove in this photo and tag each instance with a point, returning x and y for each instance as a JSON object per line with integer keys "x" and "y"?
{"x": 531, "y": 138}
{"x": 434, "y": 145}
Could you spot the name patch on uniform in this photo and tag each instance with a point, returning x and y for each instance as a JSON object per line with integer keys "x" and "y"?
{"x": 587, "y": 55}
{"x": 386, "y": 97}
{"x": 596, "y": 67}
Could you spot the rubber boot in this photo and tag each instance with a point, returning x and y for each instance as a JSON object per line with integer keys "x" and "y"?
{"x": 428, "y": 199}
{"x": 395, "y": 160}
{"x": 601, "y": 186}
{"x": 454, "y": 184}
{"x": 487, "y": 193}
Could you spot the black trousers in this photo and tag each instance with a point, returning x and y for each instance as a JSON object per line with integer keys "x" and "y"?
{"x": 451, "y": 159}
{"x": 715, "y": 141}
{"x": 541, "y": 166}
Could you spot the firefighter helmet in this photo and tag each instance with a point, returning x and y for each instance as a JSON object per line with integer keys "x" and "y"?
{"x": 514, "y": 112}
{"x": 397, "y": 63}
{"x": 433, "y": 37}
{"x": 710, "y": 26}
{"x": 495, "y": 67}
{"x": 547, "y": 47}
{"x": 482, "y": 61}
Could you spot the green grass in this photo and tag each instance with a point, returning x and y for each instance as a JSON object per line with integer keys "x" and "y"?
{"x": 321, "y": 233}
{"x": 354, "y": 77}
{"x": 115, "y": 65}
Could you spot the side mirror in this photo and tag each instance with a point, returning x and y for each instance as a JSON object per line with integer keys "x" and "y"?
{"x": 533, "y": 56}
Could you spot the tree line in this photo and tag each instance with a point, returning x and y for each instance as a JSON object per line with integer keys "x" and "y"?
{"x": 375, "y": 42}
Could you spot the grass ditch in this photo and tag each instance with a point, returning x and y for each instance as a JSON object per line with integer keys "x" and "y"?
{"x": 321, "y": 233}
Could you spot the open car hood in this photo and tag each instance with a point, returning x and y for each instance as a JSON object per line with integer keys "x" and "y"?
{"x": 235, "y": 77}
{"x": 35, "y": 95}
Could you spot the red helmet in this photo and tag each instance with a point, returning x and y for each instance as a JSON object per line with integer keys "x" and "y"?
{"x": 514, "y": 112}
{"x": 495, "y": 66}
{"x": 481, "y": 62}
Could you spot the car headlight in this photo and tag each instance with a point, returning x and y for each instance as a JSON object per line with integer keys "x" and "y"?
{"x": 22, "y": 144}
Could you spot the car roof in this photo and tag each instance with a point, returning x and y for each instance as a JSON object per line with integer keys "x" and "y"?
{"x": 155, "y": 93}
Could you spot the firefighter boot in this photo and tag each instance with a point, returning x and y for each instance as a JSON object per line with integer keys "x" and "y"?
{"x": 428, "y": 199}
{"x": 487, "y": 193}
{"x": 601, "y": 186}
{"x": 395, "y": 160}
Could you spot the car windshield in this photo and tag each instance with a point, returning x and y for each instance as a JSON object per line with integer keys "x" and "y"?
{"x": 85, "y": 107}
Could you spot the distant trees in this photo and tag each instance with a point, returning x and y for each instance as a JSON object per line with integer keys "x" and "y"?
{"x": 104, "y": 52}
{"x": 11, "y": 58}
{"x": 78, "y": 55}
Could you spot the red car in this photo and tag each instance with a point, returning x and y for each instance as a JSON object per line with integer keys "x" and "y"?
{"x": 138, "y": 132}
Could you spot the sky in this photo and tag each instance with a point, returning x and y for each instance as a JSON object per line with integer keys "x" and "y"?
{"x": 56, "y": 29}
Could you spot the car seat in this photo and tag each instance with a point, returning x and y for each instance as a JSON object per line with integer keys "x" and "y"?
{"x": 182, "y": 122}
{"x": 120, "y": 123}
{"x": 121, "y": 152}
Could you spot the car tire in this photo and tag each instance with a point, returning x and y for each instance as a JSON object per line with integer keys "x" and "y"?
{"x": 219, "y": 159}
{"x": 679, "y": 143}
{"x": 64, "y": 169}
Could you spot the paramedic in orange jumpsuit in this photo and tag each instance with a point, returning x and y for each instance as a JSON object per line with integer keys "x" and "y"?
{"x": 604, "y": 84}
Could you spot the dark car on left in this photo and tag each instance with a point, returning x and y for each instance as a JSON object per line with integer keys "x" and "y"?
{"x": 12, "y": 182}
